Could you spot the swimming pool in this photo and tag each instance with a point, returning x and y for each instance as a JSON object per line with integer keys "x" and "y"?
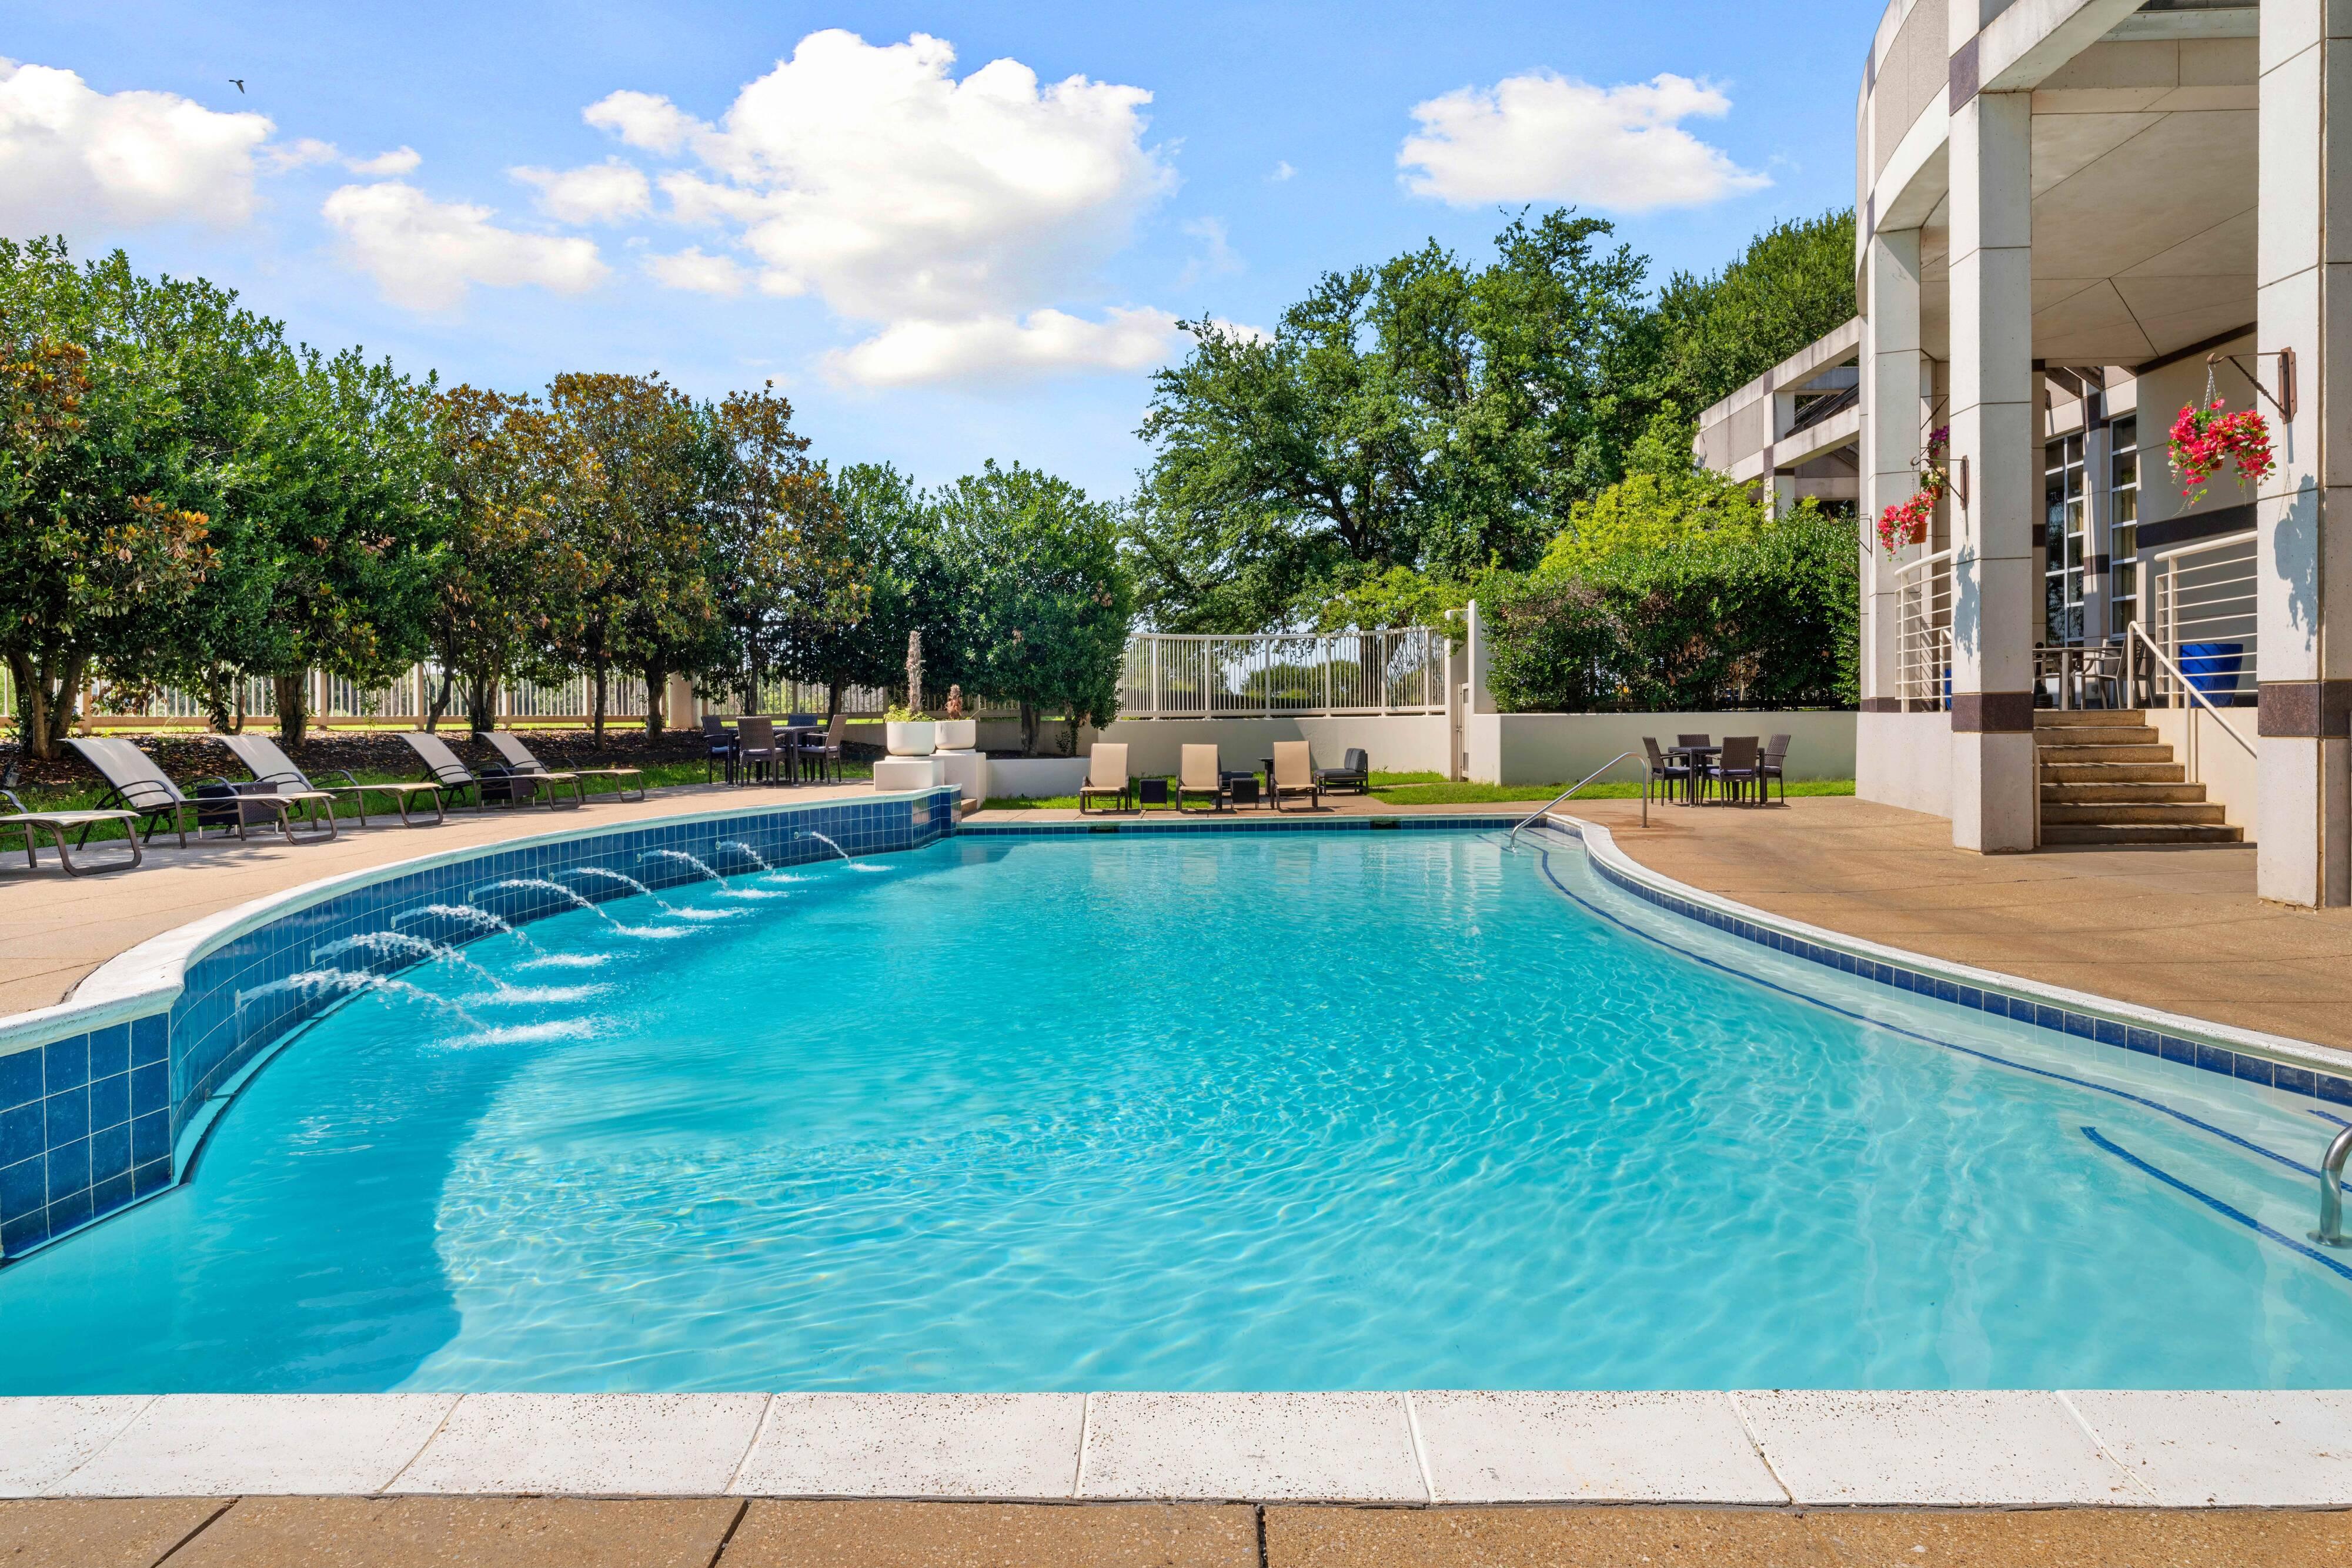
{"x": 1312, "y": 1111}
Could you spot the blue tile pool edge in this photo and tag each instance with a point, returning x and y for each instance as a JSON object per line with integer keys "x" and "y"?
{"x": 2276, "y": 1062}
{"x": 154, "y": 1042}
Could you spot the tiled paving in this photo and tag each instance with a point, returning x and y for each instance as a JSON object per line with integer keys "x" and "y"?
{"x": 575, "y": 1533}
{"x": 2176, "y": 927}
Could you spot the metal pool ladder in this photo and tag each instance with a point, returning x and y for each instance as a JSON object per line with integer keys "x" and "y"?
{"x": 1513, "y": 841}
{"x": 2331, "y": 1192}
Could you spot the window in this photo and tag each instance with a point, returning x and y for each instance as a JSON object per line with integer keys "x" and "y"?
{"x": 2123, "y": 535}
{"x": 2061, "y": 474}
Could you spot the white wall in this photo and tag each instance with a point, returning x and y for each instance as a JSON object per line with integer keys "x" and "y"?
{"x": 1561, "y": 747}
{"x": 1905, "y": 759}
{"x": 2230, "y": 776}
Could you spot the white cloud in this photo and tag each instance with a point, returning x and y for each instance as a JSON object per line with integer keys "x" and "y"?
{"x": 1547, "y": 138}
{"x": 598, "y": 193}
{"x": 300, "y": 153}
{"x": 399, "y": 160}
{"x": 1217, "y": 257}
{"x": 642, "y": 120}
{"x": 995, "y": 349}
{"x": 1281, "y": 170}
{"x": 425, "y": 253}
{"x": 954, "y": 213}
{"x": 75, "y": 156}
{"x": 692, "y": 270}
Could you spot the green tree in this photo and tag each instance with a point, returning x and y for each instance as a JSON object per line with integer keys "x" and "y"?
{"x": 1046, "y": 601}
{"x": 887, "y": 530}
{"x": 509, "y": 580}
{"x": 1422, "y": 413}
{"x": 628, "y": 495}
{"x": 791, "y": 569}
{"x": 127, "y": 403}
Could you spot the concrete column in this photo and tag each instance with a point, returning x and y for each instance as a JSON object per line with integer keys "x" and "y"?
{"x": 1993, "y": 436}
{"x": 2304, "y": 302}
{"x": 1891, "y": 372}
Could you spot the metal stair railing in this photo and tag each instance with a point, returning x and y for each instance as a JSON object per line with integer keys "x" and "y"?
{"x": 1513, "y": 840}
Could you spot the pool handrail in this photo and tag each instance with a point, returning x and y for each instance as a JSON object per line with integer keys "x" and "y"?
{"x": 1512, "y": 841}
{"x": 2331, "y": 1197}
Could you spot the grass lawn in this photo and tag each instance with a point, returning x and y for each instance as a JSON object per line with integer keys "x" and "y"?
{"x": 1435, "y": 789}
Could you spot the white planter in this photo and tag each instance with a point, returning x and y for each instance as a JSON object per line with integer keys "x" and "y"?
{"x": 915, "y": 738}
{"x": 956, "y": 733}
{"x": 893, "y": 774}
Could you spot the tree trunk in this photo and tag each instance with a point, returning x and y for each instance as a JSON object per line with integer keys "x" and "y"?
{"x": 482, "y": 705}
{"x": 1028, "y": 729}
{"x": 833, "y": 699}
{"x": 597, "y": 724}
{"x": 656, "y": 699}
{"x": 293, "y": 693}
{"x": 440, "y": 700}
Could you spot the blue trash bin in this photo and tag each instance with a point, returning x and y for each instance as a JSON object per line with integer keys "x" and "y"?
{"x": 2212, "y": 667}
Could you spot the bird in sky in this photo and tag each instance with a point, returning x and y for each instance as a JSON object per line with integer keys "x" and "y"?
{"x": 238, "y": 82}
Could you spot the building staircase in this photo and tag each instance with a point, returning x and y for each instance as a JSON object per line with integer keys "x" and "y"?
{"x": 2105, "y": 778}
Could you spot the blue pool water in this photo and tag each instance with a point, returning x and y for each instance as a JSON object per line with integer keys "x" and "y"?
{"x": 1311, "y": 1111}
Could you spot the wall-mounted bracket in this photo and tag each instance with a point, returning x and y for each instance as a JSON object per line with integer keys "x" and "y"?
{"x": 1960, "y": 472}
{"x": 2283, "y": 399}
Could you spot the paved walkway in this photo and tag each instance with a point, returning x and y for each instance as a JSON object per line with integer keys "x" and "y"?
{"x": 2173, "y": 926}
{"x": 726, "y": 1532}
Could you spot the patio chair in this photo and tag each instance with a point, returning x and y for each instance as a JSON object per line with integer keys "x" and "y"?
{"x": 59, "y": 823}
{"x": 821, "y": 752}
{"x": 717, "y": 747}
{"x": 1666, "y": 768}
{"x": 1354, "y": 772}
{"x": 499, "y": 784}
{"x": 134, "y": 783}
{"x": 755, "y": 747}
{"x": 1106, "y": 776}
{"x": 1198, "y": 774}
{"x": 1740, "y": 766}
{"x": 510, "y": 746}
{"x": 1294, "y": 774}
{"x": 269, "y": 765}
{"x": 1776, "y": 753}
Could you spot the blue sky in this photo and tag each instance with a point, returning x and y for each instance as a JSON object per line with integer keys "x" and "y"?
{"x": 938, "y": 259}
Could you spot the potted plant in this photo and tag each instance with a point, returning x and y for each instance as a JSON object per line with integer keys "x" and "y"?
{"x": 908, "y": 732}
{"x": 2203, "y": 438}
{"x": 957, "y": 733}
{"x": 1906, "y": 522}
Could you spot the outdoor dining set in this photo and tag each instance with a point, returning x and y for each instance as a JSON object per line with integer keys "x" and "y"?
{"x": 762, "y": 747}
{"x": 1738, "y": 769}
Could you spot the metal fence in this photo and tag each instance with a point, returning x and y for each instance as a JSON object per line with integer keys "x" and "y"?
{"x": 2205, "y": 621}
{"x": 1174, "y": 676}
{"x": 1923, "y": 632}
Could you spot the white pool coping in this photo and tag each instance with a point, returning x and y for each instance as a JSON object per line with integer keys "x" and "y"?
{"x": 1776, "y": 1449}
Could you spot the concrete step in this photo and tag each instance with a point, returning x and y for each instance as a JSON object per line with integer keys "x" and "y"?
{"x": 2141, "y": 833}
{"x": 2072, "y": 718}
{"x": 2060, "y": 756}
{"x": 2095, "y": 735}
{"x": 2130, "y": 792}
{"x": 2114, "y": 773}
{"x": 2154, "y": 814}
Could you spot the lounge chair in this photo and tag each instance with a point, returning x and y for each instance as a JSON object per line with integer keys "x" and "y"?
{"x": 1776, "y": 758}
{"x": 1354, "y": 772}
{"x": 503, "y": 784}
{"x": 820, "y": 752}
{"x": 1199, "y": 775}
{"x": 1294, "y": 774}
{"x": 134, "y": 783}
{"x": 59, "y": 823}
{"x": 269, "y": 765}
{"x": 518, "y": 758}
{"x": 1106, "y": 776}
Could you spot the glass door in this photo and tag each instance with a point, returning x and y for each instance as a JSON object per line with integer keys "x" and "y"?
{"x": 2068, "y": 511}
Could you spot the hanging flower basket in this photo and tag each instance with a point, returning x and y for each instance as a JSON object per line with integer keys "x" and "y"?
{"x": 2204, "y": 437}
{"x": 1905, "y": 522}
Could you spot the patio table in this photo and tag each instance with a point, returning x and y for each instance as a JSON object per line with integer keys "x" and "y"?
{"x": 1698, "y": 757}
{"x": 788, "y": 742}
